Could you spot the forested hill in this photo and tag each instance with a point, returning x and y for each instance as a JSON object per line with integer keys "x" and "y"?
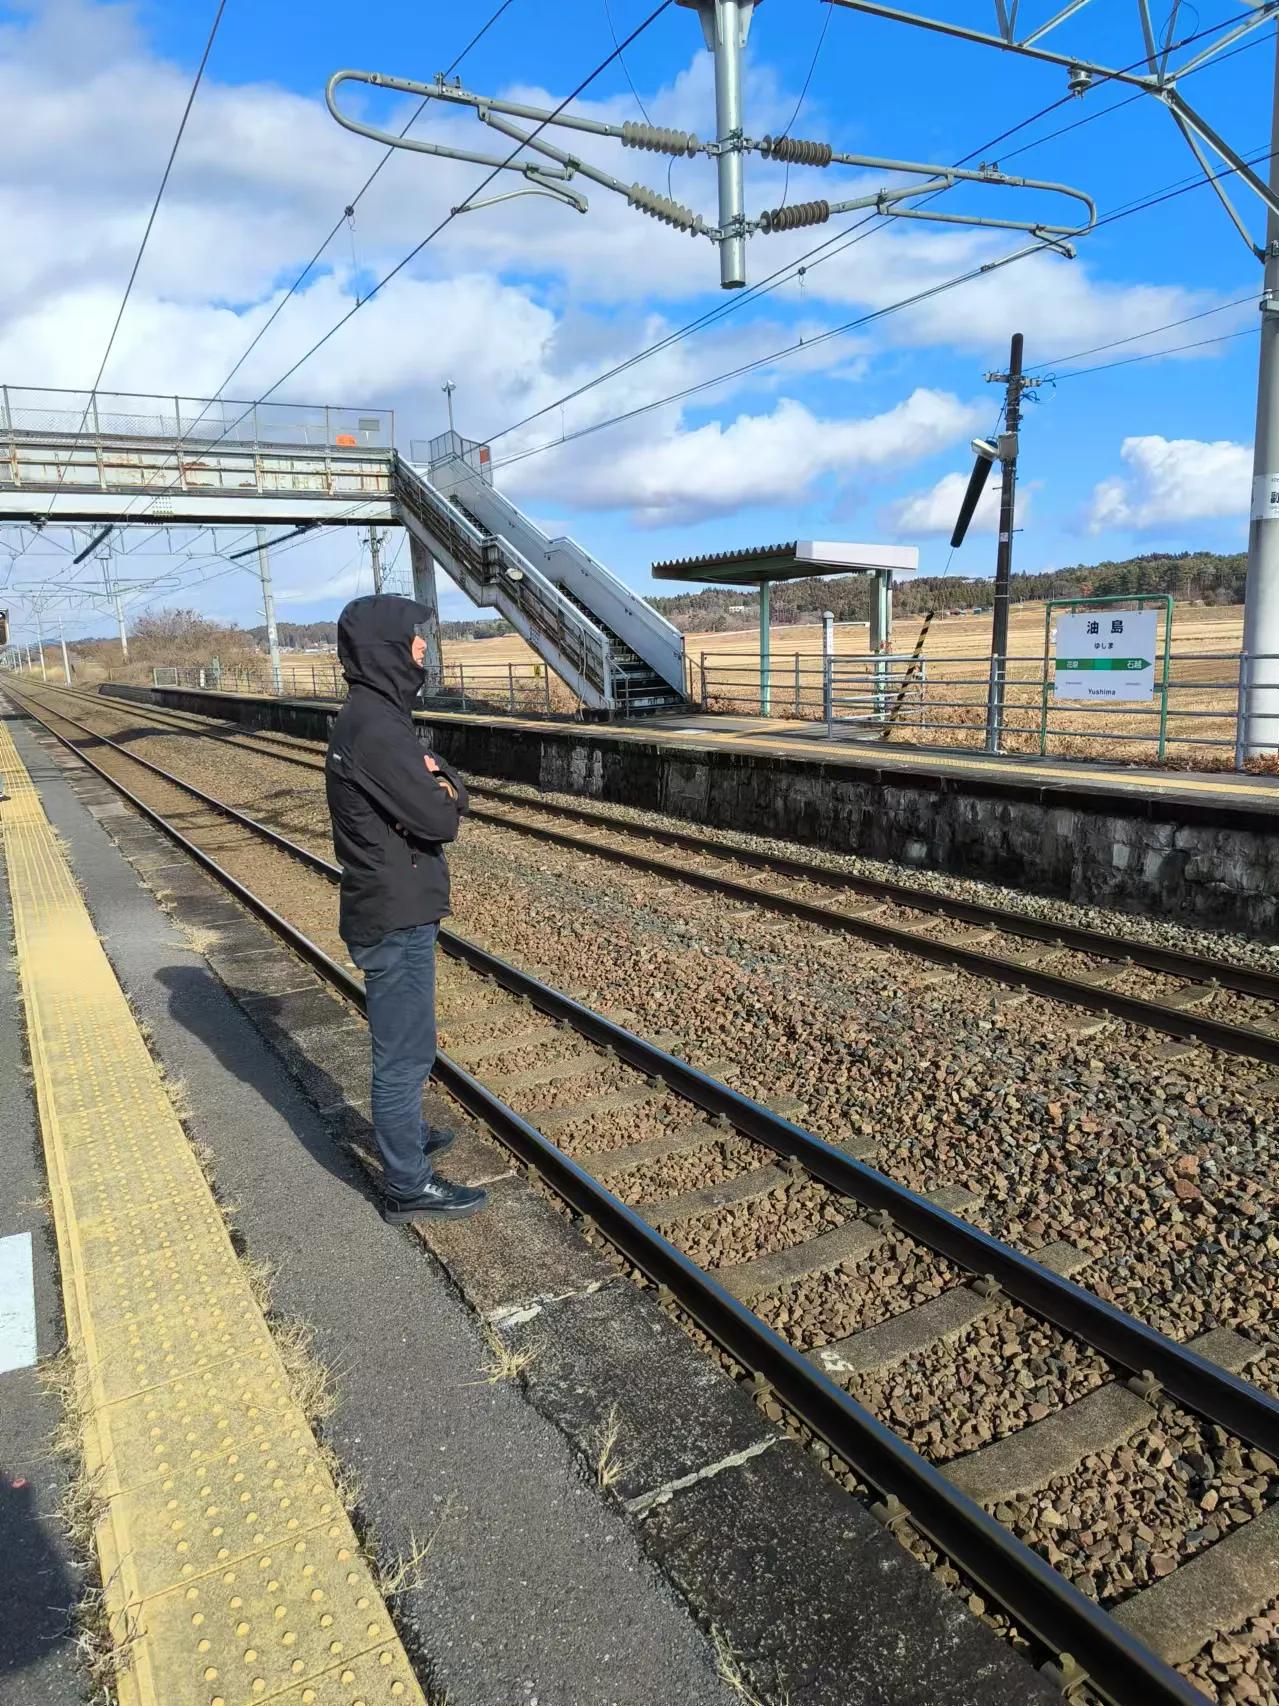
{"x": 1204, "y": 576}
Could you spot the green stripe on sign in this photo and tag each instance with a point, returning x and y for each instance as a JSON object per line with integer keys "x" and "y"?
{"x": 1104, "y": 663}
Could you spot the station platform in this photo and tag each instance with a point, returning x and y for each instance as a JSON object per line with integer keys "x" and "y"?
{"x": 437, "y": 1530}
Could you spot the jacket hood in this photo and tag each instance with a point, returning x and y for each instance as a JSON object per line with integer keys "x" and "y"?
{"x": 375, "y": 640}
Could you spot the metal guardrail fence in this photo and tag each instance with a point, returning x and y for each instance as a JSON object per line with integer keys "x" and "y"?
{"x": 1196, "y": 714}
{"x": 512, "y": 689}
{"x": 132, "y": 414}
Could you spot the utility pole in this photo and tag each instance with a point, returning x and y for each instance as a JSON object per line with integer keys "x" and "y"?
{"x": 44, "y": 676}
{"x": 1014, "y": 385}
{"x": 448, "y": 389}
{"x": 1260, "y": 733}
{"x": 268, "y": 611}
{"x": 113, "y": 593}
{"x": 66, "y": 667}
{"x": 375, "y": 552}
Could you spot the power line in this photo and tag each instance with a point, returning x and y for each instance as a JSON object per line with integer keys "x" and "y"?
{"x": 351, "y": 206}
{"x": 1150, "y": 332}
{"x": 843, "y": 240}
{"x": 1150, "y": 355}
{"x": 362, "y": 302}
{"x": 142, "y": 247}
{"x": 1155, "y": 199}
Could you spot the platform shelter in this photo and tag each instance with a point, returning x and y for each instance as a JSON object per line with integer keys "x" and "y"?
{"x": 759, "y": 566}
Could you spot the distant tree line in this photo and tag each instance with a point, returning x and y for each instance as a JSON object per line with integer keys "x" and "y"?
{"x": 1203, "y": 577}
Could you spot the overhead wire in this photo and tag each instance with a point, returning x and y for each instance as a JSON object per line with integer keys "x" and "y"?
{"x": 349, "y": 210}
{"x": 146, "y": 236}
{"x": 840, "y": 241}
{"x": 1154, "y": 199}
{"x": 440, "y": 226}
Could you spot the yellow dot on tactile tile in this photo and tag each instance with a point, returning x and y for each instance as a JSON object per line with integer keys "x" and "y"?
{"x": 308, "y": 1695}
{"x": 241, "y": 1628}
{"x": 250, "y": 1656}
{"x": 397, "y": 1688}
{"x": 384, "y": 1658}
{"x": 211, "y": 1674}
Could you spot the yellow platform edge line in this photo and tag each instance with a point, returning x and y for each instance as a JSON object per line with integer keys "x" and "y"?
{"x": 231, "y": 1573}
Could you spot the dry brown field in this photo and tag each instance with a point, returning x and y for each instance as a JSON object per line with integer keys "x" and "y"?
{"x": 947, "y": 710}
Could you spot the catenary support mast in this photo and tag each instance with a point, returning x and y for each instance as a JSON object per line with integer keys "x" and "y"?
{"x": 1261, "y": 597}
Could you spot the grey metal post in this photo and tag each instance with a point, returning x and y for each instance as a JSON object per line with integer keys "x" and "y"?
{"x": 510, "y": 688}
{"x": 1004, "y": 558}
{"x": 375, "y": 552}
{"x": 44, "y": 674}
{"x": 765, "y": 650}
{"x": 423, "y": 564}
{"x": 1261, "y": 593}
{"x": 268, "y": 612}
{"x": 448, "y": 389}
{"x": 66, "y": 667}
{"x": 725, "y": 26}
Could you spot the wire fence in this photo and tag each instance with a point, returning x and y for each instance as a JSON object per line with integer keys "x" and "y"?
{"x": 132, "y": 414}
{"x": 1195, "y": 717}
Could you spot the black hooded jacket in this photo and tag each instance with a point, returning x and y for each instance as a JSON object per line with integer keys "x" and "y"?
{"x": 390, "y": 814}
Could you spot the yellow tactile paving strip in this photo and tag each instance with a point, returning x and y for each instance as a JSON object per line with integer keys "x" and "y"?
{"x": 232, "y": 1574}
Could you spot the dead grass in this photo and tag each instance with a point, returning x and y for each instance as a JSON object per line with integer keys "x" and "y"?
{"x": 730, "y": 1670}
{"x": 608, "y": 1466}
{"x": 507, "y": 1363}
{"x": 405, "y": 1572}
{"x": 310, "y": 1377}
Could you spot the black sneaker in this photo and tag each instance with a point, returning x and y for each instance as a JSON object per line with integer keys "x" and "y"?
{"x": 435, "y": 1140}
{"x": 441, "y": 1198}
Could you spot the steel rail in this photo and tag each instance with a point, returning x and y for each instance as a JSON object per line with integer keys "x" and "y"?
{"x": 1174, "y": 1021}
{"x": 1042, "y": 1602}
{"x": 1175, "y": 963}
{"x": 1196, "y": 968}
{"x": 1201, "y": 1386}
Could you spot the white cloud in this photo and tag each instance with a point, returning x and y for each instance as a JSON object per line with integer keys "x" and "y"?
{"x": 1173, "y": 480}
{"x": 676, "y": 475}
{"x": 934, "y": 511}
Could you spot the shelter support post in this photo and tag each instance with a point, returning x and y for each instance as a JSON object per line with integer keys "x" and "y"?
{"x": 765, "y": 650}
{"x": 423, "y": 564}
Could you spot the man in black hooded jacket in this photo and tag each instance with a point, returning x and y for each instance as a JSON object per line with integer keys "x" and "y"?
{"x": 393, "y": 806}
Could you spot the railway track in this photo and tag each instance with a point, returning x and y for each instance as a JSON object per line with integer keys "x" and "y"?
{"x": 1187, "y": 996}
{"x": 604, "y": 1116}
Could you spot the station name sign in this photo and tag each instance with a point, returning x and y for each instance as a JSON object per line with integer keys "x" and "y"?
{"x": 1105, "y": 655}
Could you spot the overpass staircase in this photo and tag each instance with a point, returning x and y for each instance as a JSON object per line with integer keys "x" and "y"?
{"x": 598, "y": 635}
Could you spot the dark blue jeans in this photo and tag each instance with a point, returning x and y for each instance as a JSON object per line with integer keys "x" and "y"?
{"x": 399, "y": 989}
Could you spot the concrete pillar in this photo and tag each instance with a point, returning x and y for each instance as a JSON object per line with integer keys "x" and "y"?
{"x": 424, "y": 591}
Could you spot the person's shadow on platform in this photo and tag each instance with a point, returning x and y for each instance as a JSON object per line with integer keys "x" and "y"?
{"x": 195, "y": 996}
{"x": 39, "y": 1593}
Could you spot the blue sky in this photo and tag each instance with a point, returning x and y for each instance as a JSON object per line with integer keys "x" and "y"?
{"x": 864, "y": 437}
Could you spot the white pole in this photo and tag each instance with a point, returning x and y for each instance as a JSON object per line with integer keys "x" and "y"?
{"x": 1261, "y": 594}
{"x": 268, "y": 612}
{"x": 44, "y": 675}
{"x": 66, "y": 667}
{"x": 828, "y": 654}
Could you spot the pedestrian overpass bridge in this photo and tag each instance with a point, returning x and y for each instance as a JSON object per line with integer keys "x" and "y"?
{"x": 128, "y": 460}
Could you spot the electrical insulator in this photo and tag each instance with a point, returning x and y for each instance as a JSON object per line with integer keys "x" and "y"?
{"x": 659, "y": 140}
{"x": 793, "y": 218}
{"x": 663, "y": 208}
{"x": 795, "y": 151}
